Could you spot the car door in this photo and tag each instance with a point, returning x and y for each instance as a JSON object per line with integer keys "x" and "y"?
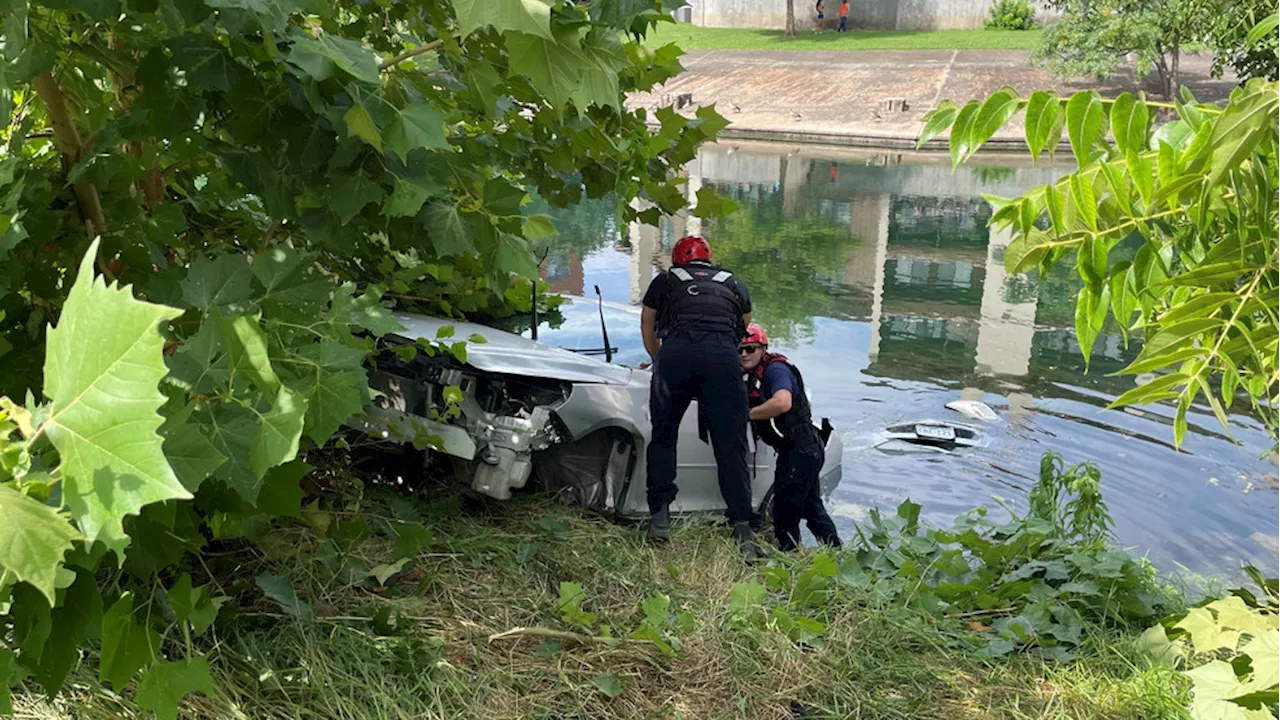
{"x": 697, "y": 476}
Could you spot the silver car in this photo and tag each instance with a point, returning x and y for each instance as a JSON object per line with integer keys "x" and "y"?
{"x": 560, "y": 410}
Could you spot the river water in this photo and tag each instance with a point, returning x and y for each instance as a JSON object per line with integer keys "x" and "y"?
{"x": 877, "y": 275}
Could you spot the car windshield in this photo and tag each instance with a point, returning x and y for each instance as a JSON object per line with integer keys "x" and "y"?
{"x": 579, "y": 330}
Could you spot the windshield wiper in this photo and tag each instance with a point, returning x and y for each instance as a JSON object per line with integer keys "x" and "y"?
{"x": 604, "y": 330}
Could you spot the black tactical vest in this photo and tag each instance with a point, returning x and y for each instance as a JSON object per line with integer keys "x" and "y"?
{"x": 792, "y": 430}
{"x": 702, "y": 298}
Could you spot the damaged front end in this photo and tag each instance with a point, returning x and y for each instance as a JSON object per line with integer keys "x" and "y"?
{"x": 491, "y": 424}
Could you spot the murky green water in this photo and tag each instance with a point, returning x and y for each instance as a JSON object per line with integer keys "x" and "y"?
{"x": 877, "y": 275}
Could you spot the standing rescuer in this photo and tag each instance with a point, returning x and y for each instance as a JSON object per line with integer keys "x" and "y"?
{"x": 693, "y": 317}
{"x": 780, "y": 417}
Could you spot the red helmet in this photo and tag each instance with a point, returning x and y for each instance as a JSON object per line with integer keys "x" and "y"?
{"x": 690, "y": 248}
{"x": 755, "y": 336}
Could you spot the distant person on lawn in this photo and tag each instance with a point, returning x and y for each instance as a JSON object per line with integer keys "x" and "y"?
{"x": 818, "y": 27}
{"x": 844, "y": 16}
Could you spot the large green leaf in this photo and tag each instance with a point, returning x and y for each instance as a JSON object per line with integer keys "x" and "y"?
{"x": 360, "y": 124}
{"x": 331, "y": 378}
{"x": 937, "y": 120}
{"x": 233, "y": 428}
{"x": 416, "y": 126}
{"x": 246, "y": 345}
{"x": 193, "y": 604}
{"x": 993, "y": 114}
{"x": 351, "y": 192}
{"x": 277, "y": 441}
{"x": 1263, "y": 649}
{"x": 1044, "y": 122}
{"x": 1084, "y": 123}
{"x": 365, "y": 311}
{"x": 126, "y": 646}
{"x": 190, "y": 451}
{"x": 450, "y": 234}
{"x": 1241, "y": 127}
{"x": 102, "y": 368}
{"x": 531, "y": 17}
{"x": 273, "y": 13}
{"x": 279, "y": 590}
{"x": 294, "y": 288}
{"x": 1129, "y": 118}
{"x": 959, "y": 137}
{"x": 1206, "y": 633}
{"x": 205, "y": 63}
{"x": 350, "y": 56}
{"x": 77, "y": 618}
{"x": 221, "y": 282}
{"x": 409, "y": 195}
{"x": 281, "y": 493}
{"x": 33, "y": 539}
{"x": 552, "y": 67}
{"x": 166, "y": 683}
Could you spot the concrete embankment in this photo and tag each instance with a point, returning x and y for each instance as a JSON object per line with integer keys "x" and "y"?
{"x": 877, "y": 98}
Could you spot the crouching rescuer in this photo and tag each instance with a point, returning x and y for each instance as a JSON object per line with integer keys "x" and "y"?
{"x": 693, "y": 317}
{"x": 781, "y": 418}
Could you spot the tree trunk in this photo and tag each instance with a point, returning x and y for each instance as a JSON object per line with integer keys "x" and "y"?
{"x": 1175, "y": 83}
{"x": 791, "y": 18}
{"x": 1163, "y": 71}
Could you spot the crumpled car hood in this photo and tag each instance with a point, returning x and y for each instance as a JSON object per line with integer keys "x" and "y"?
{"x": 514, "y": 355}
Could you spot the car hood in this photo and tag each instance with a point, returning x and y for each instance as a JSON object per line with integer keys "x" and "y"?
{"x": 507, "y": 353}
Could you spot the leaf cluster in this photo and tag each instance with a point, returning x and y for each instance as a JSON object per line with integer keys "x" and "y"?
{"x": 1036, "y": 582}
{"x": 1199, "y": 195}
{"x": 1230, "y": 648}
{"x": 205, "y": 207}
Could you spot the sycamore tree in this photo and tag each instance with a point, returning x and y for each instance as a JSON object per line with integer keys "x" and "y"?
{"x": 205, "y": 206}
{"x": 1096, "y": 37}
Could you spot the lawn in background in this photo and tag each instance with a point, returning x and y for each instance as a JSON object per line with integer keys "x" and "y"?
{"x": 691, "y": 37}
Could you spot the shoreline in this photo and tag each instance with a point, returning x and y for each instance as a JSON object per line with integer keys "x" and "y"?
{"x": 878, "y": 99}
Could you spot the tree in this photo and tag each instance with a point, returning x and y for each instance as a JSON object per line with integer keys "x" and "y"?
{"x": 1202, "y": 290}
{"x": 204, "y": 205}
{"x": 1235, "y": 46}
{"x": 791, "y": 18}
{"x": 1094, "y": 37}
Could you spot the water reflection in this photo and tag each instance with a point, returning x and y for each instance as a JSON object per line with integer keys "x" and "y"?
{"x": 878, "y": 275}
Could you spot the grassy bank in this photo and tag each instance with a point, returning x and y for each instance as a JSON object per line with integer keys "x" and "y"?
{"x": 691, "y": 37}
{"x": 419, "y": 641}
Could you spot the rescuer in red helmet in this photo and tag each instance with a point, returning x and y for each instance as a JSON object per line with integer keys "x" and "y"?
{"x": 693, "y": 317}
{"x": 781, "y": 418}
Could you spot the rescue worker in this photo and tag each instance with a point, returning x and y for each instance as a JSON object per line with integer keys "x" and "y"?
{"x": 780, "y": 417}
{"x": 692, "y": 319}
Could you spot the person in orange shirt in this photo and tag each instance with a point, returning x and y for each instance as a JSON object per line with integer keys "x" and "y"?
{"x": 844, "y": 16}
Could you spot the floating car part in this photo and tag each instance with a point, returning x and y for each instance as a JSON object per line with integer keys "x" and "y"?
{"x": 975, "y": 409}
{"x": 928, "y": 436}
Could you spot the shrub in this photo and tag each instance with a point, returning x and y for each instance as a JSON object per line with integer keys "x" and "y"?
{"x": 1010, "y": 15}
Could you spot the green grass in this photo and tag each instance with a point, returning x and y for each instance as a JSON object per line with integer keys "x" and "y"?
{"x": 691, "y": 37}
{"x": 877, "y": 660}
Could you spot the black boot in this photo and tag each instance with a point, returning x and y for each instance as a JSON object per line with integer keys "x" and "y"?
{"x": 751, "y": 550}
{"x": 660, "y": 526}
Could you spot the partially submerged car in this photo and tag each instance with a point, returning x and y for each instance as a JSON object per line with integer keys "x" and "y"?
{"x": 553, "y": 411}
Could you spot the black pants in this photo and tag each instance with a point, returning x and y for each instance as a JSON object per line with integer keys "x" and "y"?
{"x": 707, "y": 368}
{"x": 842, "y": 27}
{"x": 796, "y": 497}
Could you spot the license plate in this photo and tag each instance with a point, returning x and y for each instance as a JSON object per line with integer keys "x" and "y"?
{"x": 935, "y": 432}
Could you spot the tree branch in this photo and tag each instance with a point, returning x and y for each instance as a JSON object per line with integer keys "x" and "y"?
{"x": 68, "y": 142}
{"x": 433, "y": 45}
